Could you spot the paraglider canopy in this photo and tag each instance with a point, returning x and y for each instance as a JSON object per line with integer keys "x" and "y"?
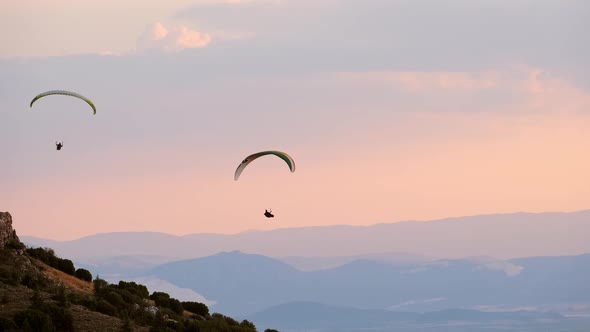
{"x": 286, "y": 158}
{"x": 64, "y": 93}
{"x": 290, "y": 162}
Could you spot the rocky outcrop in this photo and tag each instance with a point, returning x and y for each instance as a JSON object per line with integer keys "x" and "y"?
{"x": 7, "y": 233}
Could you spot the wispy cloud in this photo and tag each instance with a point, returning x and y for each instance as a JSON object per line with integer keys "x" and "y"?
{"x": 174, "y": 39}
{"x": 521, "y": 89}
{"x": 421, "y": 81}
{"x": 453, "y": 34}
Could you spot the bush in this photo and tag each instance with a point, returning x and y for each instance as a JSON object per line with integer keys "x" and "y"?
{"x": 66, "y": 266}
{"x": 248, "y": 325}
{"x": 83, "y": 274}
{"x": 106, "y": 308}
{"x": 100, "y": 285}
{"x": 34, "y": 320}
{"x": 161, "y": 298}
{"x": 135, "y": 289}
{"x": 115, "y": 299}
{"x": 83, "y": 300}
{"x": 164, "y": 300}
{"x": 230, "y": 321}
{"x": 15, "y": 244}
{"x": 175, "y": 306}
{"x": 9, "y": 276}
{"x": 36, "y": 298}
{"x": 127, "y": 325}
{"x": 47, "y": 256}
{"x": 7, "y": 325}
{"x": 127, "y": 296}
{"x": 61, "y": 318}
{"x": 33, "y": 281}
{"x": 61, "y": 296}
{"x": 196, "y": 307}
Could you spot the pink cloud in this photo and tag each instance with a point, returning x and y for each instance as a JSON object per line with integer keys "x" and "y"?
{"x": 516, "y": 88}
{"x": 158, "y": 37}
{"x": 418, "y": 81}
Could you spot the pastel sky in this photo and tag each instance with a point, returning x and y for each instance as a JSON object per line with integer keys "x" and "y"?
{"x": 393, "y": 110}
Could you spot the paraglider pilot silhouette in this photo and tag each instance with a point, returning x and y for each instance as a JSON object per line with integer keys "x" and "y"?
{"x": 60, "y": 145}
{"x": 268, "y": 214}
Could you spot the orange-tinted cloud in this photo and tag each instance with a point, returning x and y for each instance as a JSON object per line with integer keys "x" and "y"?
{"x": 533, "y": 89}
{"x": 158, "y": 37}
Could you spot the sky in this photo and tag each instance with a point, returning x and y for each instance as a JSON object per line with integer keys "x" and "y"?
{"x": 393, "y": 110}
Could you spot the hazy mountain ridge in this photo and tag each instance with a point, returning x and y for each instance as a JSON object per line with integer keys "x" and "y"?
{"x": 319, "y": 263}
{"x": 413, "y": 266}
{"x": 546, "y": 234}
{"x": 254, "y": 282}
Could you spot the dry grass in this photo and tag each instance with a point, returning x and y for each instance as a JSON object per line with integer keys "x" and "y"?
{"x": 17, "y": 298}
{"x": 86, "y": 320}
{"x": 71, "y": 283}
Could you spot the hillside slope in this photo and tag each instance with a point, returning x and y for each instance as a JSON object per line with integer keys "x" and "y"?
{"x": 42, "y": 292}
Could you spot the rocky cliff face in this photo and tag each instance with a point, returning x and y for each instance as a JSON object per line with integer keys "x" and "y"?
{"x": 7, "y": 233}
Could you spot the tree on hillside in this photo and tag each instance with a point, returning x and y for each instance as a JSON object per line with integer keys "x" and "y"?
{"x": 83, "y": 274}
{"x": 196, "y": 307}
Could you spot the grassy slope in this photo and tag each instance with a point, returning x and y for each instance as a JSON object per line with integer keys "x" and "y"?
{"x": 14, "y": 299}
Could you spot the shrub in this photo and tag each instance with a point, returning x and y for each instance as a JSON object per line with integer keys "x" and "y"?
{"x": 115, "y": 299}
{"x": 106, "y": 308}
{"x": 34, "y": 320}
{"x": 196, "y": 307}
{"x": 47, "y": 256}
{"x": 160, "y": 298}
{"x": 135, "y": 289}
{"x": 248, "y": 325}
{"x": 127, "y": 325}
{"x": 9, "y": 276}
{"x": 7, "y": 325}
{"x": 61, "y": 318}
{"x": 61, "y": 296}
{"x": 33, "y": 281}
{"x": 99, "y": 285}
{"x": 66, "y": 266}
{"x": 83, "y": 300}
{"x": 83, "y": 274}
{"x": 15, "y": 244}
{"x": 175, "y": 306}
{"x": 36, "y": 298}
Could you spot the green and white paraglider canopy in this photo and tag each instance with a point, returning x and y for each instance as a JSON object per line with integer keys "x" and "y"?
{"x": 64, "y": 93}
{"x": 290, "y": 162}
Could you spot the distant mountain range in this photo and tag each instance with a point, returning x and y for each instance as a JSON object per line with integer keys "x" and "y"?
{"x": 243, "y": 283}
{"x": 385, "y": 273}
{"x": 502, "y": 236}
